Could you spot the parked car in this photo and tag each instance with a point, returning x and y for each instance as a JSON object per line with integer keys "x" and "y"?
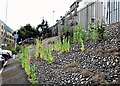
{"x": 2, "y": 60}
{"x": 27, "y": 41}
{"x": 4, "y": 44}
{"x": 7, "y": 54}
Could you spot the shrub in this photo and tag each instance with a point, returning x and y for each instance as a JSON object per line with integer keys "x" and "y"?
{"x": 98, "y": 32}
{"x": 13, "y": 51}
{"x": 18, "y": 48}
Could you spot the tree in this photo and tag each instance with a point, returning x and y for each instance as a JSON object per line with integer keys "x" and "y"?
{"x": 44, "y": 26}
{"x": 26, "y": 31}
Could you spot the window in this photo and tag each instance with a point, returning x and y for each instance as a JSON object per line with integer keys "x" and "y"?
{"x": 2, "y": 33}
{"x": 2, "y": 27}
{"x": 110, "y": 17}
{"x": 114, "y": 16}
{"x": 119, "y": 10}
{"x": 117, "y": 15}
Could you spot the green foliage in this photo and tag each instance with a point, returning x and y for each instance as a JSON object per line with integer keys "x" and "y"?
{"x": 18, "y": 48}
{"x": 37, "y": 49}
{"x": 82, "y": 44}
{"x": 24, "y": 58}
{"x": 13, "y": 51}
{"x": 47, "y": 54}
{"x": 65, "y": 45}
{"x": 101, "y": 30}
{"x": 59, "y": 47}
{"x": 44, "y": 52}
{"x": 26, "y": 31}
{"x": 98, "y": 33}
{"x": 94, "y": 35}
{"x": 89, "y": 36}
{"x": 33, "y": 74}
{"x": 8, "y": 47}
{"x": 65, "y": 29}
{"x": 79, "y": 35}
{"x": 11, "y": 47}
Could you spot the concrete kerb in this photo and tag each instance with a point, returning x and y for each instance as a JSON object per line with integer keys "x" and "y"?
{"x": 3, "y": 67}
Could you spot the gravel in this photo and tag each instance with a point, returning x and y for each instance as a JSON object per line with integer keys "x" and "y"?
{"x": 100, "y": 62}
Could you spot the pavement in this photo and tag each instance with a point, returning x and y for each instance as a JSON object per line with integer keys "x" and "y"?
{"x": 13, "y": 73}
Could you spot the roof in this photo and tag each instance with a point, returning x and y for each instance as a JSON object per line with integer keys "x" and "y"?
{"x": 6, "y": 27}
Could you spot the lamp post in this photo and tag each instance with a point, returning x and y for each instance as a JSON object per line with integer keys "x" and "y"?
{"x": 5, "y": 32}
{"x": 6, "y": 11}
{"x": 53, "y": 17}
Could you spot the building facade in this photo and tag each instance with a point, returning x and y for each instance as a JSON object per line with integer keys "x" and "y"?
{"x": 97, "y": 10}
{"x": 107, "y": 10}
{"x": 113, "y": 11}
{"x": 5, "y": 34}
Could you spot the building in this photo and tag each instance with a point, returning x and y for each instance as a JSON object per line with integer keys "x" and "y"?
{"x": 5, "y": 34}
{"x": 113, "y": 11}
{"x": 91, "y": 11}
{"x": 97, "y": 10}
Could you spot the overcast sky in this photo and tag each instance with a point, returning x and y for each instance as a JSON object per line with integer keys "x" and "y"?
{"x": 22, "y": 12}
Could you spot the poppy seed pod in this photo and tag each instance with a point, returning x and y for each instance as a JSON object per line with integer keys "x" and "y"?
{"x": 41, "y": 37}
{"x": 31, "y": 62}
{"x": 62, "y": 33}
{"x": 38, "y": 47}
{"x": 24, "y": 46}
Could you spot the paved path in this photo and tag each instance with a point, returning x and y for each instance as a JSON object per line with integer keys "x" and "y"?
{"x": 13, "y": 73}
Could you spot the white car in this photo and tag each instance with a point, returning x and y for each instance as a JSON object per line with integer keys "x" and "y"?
{"x": 3, "y": 44}
{"x": 6, "y": 54}
{"x": 2, "y": 60}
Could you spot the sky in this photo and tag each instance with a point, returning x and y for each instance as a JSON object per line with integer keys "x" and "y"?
{"x": 22, "y": 12}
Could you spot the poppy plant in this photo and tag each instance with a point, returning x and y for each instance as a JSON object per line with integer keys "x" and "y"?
{"x": 28, "y": 65}
{"x": 40, "y": 42}
{"x": 41, "y": 37}
{"x": 24, "y": 46}
{"x": 35, "y": 43}
{"x": 62, "y": 33}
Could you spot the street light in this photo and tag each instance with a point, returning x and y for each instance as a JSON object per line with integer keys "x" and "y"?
{"x": 6, "y": 10}
{"x": 53, "y": 17}
{"x": 5, "y": 32}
